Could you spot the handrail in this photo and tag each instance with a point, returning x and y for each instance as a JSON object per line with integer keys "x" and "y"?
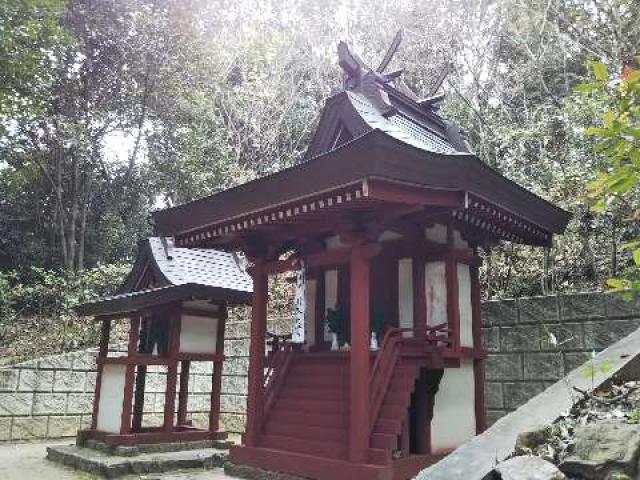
{"x": 278, "y": 362}
{"x": 388, "y": 356}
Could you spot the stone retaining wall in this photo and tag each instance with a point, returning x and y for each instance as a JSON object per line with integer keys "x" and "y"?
{"x": 519, "y": 334}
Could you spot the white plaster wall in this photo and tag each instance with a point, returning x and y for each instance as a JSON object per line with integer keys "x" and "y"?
{"x": 310, "y": 312}
{"x": 454, "y": 416}
{"x": 388, "y": 235}
{"x": 198, "y": 334}
{"x": 464, "y": 304}
{"x": 111, "y": 398}
{"x": 330, "y": 295}
{"x": 333, "y": 243}
{"x": 458, "y": 241}
{"x": 405, "y": 293}
{"x": 436, "y": 291}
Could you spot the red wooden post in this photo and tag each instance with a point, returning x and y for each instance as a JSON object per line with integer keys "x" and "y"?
{"x": 319, "y": 309}
{"x": 419, "y": 294}
{"x": 478, "y": 345}
{"x": 172, "y": 371}
{"x": 453, "y": 301}
{"x": 216, "y": 378}
{"x": 183, "y": 396}
{"x": 256, "y": 354}
{"x": 359, "y": 355}
{"x": 103, "y": 350}
{"x": 132, "y": 350}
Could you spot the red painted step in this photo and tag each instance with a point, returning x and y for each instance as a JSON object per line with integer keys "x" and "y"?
{"x": 324, "y": 449}
{"x": 315, "y": 406}
{"x": 290, "y": 392}
{"x": 332, "y": 420}
{"x": 321, "y": 434}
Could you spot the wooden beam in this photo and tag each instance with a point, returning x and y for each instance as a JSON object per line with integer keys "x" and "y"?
{"x": 183, "y": 395}
{"x": 478, "y": 363}
{"x": 329, "y": 258}
{"x": 172, "y": 372}
{"x": 359, "y": 355}
{"x": 419, "y": 294}
{"x": 216, "y": 377}
{"x": 103, "y": 351}
{"x": 134, "y": 331}
{"x": 453, "y": 301}
{"x": 406, "y": 193}
{"x": 256, "y": 354}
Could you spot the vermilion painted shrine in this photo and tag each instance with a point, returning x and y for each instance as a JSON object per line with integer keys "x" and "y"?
{"x": 382, "y": 222}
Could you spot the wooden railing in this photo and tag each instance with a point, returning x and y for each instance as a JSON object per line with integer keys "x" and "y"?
{"x": 389, "y": 354}
{"x": 278, "y": 361}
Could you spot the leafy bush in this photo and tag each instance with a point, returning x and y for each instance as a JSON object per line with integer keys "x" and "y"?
{"x": 36, "y": 309}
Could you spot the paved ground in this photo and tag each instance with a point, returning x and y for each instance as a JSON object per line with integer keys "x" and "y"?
{"x": 21, "y": 461}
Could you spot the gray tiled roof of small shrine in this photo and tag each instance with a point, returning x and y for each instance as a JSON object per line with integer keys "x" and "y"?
{"x": 209, "y": 267}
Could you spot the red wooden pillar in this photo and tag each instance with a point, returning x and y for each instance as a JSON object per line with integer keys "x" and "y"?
{"x": 216, "y": 378}
{"x": 256, "y": 354}
{"x": 132, "y": 350}
{"x": 478, "y": 346}
{"x": 319, "y": 310}
{"x": 359, "y": 355}
{"x": 183, "y": 396}
{"x": 172, "y": 371}
{"x": 103, "y": 350}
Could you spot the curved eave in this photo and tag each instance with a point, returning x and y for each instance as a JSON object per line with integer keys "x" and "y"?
{"x": 372, "y": 155}
{"x": 129, "y": 303}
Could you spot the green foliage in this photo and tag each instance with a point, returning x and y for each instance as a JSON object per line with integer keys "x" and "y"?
{"x": 617, "y": 186}
{"x": 36, "y": 315}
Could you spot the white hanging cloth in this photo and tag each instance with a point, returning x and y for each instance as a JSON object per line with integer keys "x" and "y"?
{"x": 297, "y": 329}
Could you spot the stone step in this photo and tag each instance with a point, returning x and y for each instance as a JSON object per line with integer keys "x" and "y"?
{"x": 114, "y": 466}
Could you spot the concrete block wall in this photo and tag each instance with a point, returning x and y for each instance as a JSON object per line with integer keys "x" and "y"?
{"x": 523, "y": 358}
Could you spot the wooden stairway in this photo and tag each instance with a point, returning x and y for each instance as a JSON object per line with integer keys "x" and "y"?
{"x": 311, "y": 413}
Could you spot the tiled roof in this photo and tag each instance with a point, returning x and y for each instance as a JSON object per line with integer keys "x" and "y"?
{"x": 209, "y": 267}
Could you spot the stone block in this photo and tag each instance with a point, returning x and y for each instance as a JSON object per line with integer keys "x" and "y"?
{"x": 56, "y": 362}
{"x": 85, "y": 422}
{"x": 80, "y": 403}
{"x": 236, "y": 348}
{"x": 516, "y": 394}
{"x": 528, "y": 468}
{"x": 538, "y": 309}
{"x": 156, "y": 383}
{"x": 499, "y": 312}
{"x": 29, "y": 428}
{"x": 569, "y": 336}
{"x": 203, "y": 368}
{"x": 504, "y": 367}
{"x": 237, "y": 330}
{"x": 232, "y": 422}
{"x": 5, "y": 429}
{"x": 90, "y": 382}
{"x": 85, "y": 361}
{"x": 36, "y": 380}
{"x": 520, "y": 338}
{"x": 8, "y": 380}
{"x": 582, "y": 306}
{"x": 235, "y": 366}
{"x": 491, "y": 338}
{"x": 199, "y": 403}
{"x": 233, "y": 403}
{"x": 493, "y": 397}
{"x": 616, "y": 306}
{"x": 69, "y": 381}
{"x": 50, "y": 404}
{"x": 202, "y": 384}
{"x": 66, "y": 426}
{"x": 15, "y": 404}
{"x": 601, "y": 334}
{"x": 573, "y": 360}
{"x": 543, "y": 366}
{"x": 234, "y": 384}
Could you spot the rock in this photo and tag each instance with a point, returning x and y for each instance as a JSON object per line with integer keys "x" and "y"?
{"x": 528, "y": 468}
{"x": 603, "y": 449}
{"x": 530, "y": 440}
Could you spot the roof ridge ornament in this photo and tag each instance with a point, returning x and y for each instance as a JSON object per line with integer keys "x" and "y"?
{"x": 358, "y": 74}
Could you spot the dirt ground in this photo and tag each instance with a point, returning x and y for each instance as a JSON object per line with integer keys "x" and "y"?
{"x": 22, "y": 461}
